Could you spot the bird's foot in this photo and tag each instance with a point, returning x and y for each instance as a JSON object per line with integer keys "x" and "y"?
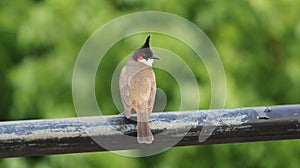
{"x": 126, "y": 114}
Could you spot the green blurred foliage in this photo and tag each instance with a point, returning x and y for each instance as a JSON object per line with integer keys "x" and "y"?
{"x": 258, "y": 42}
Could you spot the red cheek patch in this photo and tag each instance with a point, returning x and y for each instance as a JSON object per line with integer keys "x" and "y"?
{"x": 140, "y": 58}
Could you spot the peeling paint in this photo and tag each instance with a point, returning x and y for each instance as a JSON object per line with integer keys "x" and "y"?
{"x": 39, "y": 134}
{"x": 262, "y": 112}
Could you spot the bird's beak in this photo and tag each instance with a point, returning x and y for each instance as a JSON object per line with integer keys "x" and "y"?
{"x": 155, "y": 57}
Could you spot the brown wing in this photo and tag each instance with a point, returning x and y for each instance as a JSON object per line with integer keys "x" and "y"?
{"x": 141, "y": 90}
{"x": 124, "y": 90}
{"x": 152, "y": 95}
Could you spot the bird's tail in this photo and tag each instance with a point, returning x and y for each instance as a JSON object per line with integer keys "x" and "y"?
{"x": 144, "y": 134}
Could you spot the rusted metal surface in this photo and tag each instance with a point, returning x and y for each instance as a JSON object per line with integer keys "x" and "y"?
{"x": 101, "y": 133}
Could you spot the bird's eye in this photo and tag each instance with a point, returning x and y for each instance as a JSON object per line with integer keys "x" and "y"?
{"x": 140, "y": 58}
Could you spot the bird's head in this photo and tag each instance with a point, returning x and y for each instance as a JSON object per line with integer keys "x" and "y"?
{"x": 144, "y": 54}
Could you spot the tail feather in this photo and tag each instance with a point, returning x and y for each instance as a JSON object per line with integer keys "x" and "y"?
{"x": 144, "y": 134}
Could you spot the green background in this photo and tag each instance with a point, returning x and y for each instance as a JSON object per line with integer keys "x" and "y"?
{"x": 258, "y": 41}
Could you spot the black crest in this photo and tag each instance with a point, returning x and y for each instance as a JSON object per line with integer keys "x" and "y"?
{"x": 146, "y": 45}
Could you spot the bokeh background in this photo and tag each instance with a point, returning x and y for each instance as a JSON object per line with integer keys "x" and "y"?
{"x": 258, "y": 42}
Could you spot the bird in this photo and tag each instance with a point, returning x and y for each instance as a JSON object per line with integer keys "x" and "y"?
{"x": 137, "y": 85}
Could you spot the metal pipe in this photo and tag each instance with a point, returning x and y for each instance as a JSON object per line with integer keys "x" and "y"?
{"x": 115, "y": 132}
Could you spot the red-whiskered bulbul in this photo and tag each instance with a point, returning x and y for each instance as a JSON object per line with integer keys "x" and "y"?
{"x": 138, "y": 87}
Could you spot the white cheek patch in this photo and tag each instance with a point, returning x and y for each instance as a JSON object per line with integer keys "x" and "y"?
{"x": 147, "y": 62}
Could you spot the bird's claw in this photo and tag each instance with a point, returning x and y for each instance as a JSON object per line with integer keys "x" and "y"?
{"x": 126, "y": 114}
